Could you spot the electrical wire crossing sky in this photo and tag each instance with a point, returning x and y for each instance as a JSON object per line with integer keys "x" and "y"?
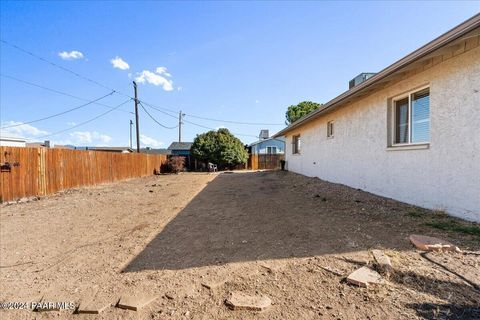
{"x": 67, "y": 68}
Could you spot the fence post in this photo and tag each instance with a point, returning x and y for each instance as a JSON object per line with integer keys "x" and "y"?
{"x": 42, "y": 178}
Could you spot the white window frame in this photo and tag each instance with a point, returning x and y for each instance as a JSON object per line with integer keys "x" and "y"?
{"x": 271, "y": 147}
{"x": 298, "y": 145}
{"x": 330, "y": 133}
{"x": 394, "y": 120}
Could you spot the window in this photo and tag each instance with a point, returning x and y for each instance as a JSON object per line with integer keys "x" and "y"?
{"x": 411, "y": 116}
{"x": 296, "y": 144}
{"x": 271, "y": 150}
{"x": 330, "y": 129}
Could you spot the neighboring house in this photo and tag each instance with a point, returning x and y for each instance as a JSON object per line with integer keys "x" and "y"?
{"x": 180, "y": 148}
{"x": 410, "y": 132}
{"x": 12, "y": 142}
{"x": 45, "y": 144}
{"x": 267, "y": 144}
{"x": 111, "y": 149}
{"x": 62, "y": 146}
{"x": 155, "y": 151}
{"x": 183, "y": 149}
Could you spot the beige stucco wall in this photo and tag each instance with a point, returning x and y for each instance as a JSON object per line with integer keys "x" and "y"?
{"x": 445, "y": 176}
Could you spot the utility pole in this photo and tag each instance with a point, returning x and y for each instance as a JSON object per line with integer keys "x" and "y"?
{"x": 136, "y": 117}
{"x": 180, "y": 126}
{"x": 131, "y": 124}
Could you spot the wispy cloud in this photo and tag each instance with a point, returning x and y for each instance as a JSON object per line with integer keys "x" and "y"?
{"x": 85, "y": 138}
{"x": 72, "y": 55}
{"x": 149, "y": 141}
{"x": 21, "y": 130}
{"x": 159, "y": 77}
{"x": 89, "y": 137}
{"x": 119, "y": 63}
{"x": 71, "y": 123}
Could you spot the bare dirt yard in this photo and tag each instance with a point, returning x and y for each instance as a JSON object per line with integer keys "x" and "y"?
{"x": 260, "y": 233}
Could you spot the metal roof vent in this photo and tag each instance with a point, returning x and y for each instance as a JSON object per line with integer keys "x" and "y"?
{"x": 362, "y": 77}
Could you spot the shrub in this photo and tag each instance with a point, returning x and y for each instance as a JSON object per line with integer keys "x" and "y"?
{"x": 219, "y": 147}
{"x": 176, "y": 164}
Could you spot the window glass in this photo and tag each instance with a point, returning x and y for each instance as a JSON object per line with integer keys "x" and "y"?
{"x": 296, "y": 144}
{"x": 330, "y": 129}
{"x": 421, "y": 116}
{"x": 401, "y": 121}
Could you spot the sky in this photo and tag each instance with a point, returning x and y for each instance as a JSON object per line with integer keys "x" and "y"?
{"x": 228, "y": 61}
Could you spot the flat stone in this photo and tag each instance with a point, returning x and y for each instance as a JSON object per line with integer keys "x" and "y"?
{"x": 427, "y": 243}
{"x": 94, "y": 306}
{"x": 240, "y": 301}
{"x": 135, "y": 302}
{"x": 364, "y": 276}
{"x": 382, "y": 260}
{"x": 213, "y": 284}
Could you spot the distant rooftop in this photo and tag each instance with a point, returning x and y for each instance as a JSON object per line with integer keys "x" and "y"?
{"x": 180, "y": 146}
{"x": 155, "y": 151}
{"x": 111, "y": 149}
{"x": 12, "y": 138}
{"x": 282, "y": 139}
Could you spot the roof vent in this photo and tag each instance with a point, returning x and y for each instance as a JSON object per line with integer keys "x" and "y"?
{"x": 362, "y": 77}
{"x": 264, "y": 134}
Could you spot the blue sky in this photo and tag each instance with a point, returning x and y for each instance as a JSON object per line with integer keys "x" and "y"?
{"x": 233, "y": 61}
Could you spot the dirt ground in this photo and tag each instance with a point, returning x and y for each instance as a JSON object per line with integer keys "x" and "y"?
{"x": 261, "y": 232}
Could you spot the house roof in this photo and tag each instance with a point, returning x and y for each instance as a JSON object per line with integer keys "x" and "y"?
{"x": 421, "y": 58}
{"x": 180, "y": 146}
{"x": 264, "y": 140}
{"x": 155, "y": 151}
{"x": 118, "y": 149}
{"x": 17, "y": 139}
{"x": 61, "y": 146}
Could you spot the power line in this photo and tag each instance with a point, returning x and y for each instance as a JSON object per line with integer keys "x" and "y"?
{"x": 106, "y": 87}
{"x": 60, "y": 113}
{"x": 85, "y": 122}
{"x": 160, "y": 109}
{"x": 58, "y": 91}
{"x": 61, "y": 67}
{"x": 190, "y": 122}
{"x": 237, "y": 122}
{"x": 144, "y": 109}
{"x": 209, "y": 128}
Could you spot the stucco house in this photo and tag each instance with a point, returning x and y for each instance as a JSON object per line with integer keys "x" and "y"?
{"x": 410, "y": 132}
{"x": 267, "y": 144}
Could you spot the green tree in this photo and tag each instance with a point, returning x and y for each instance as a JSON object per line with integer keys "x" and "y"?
{"x": 295, "y": 112}
{"x": 219, "y": 147}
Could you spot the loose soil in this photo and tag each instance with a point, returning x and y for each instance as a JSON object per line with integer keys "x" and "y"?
{"x": 266, "y": 233}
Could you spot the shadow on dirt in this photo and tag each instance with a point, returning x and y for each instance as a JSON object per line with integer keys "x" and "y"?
{"x": 450, "y": 291}
{"x": 432, "y": 311}
{"x": 271, "y": 215}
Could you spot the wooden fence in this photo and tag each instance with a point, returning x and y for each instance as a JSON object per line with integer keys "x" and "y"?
{"x": 29, "y": 172}
{"x": 265, "y": 161}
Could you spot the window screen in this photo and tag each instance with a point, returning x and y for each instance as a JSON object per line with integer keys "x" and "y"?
{"x": 421, "y": 116}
